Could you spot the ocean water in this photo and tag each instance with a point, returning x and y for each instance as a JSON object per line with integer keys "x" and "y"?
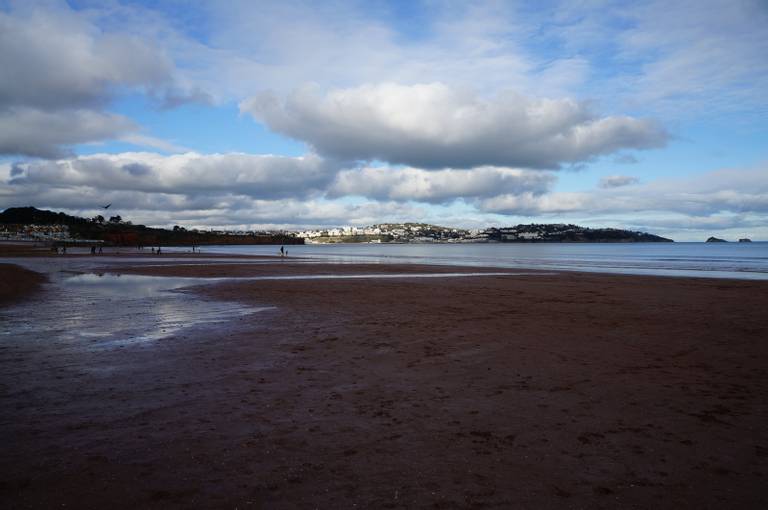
{"x": 709, "y": 260}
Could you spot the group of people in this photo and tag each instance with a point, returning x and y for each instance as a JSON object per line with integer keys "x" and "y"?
{"x": 283, "y": 251}
{"x": 62, "y": 250}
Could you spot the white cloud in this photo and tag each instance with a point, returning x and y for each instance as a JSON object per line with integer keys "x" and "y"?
{"x": 281, "y": 214}
{"x": 53, "y": 58}
{"x": 46, "y": 134}
{"x": 343, "y": 44}
{"x": 617, "y": 181}
{"x": 724, "y": 191}
{"x": 218, "y": 190}
{"x": 221, "y": 208}
{"x": 654, "y": 56}
{"x": 60, "y": 71}
{"x": 682, "y": 58}
{"x": 529, "y": 204}
{"x": 438, "y": 186}
{"x": 268, "y": 177}
{"x": 436, "y": 126}
{"x": 711, "y": 54}
{"x": 256, "y": 176}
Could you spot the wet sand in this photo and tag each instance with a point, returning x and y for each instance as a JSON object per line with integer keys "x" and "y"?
{"x": 27, "y": 250}
{"x": 18, "y": 283}
{"x": 541, "y": 391}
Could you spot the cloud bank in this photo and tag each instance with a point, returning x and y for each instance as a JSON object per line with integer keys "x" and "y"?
{"x": 438, "y": 186}
{"x": 255, "y": 176}
{"x": 60, "y": 71}
{"x": 436, "y": 126}
{"x": 246, "y": 190}
{"x": 723, "y": 191}
{"x": 46, "y": 134}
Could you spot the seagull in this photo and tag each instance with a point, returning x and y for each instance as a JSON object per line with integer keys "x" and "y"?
{"x": 106, "y": 206}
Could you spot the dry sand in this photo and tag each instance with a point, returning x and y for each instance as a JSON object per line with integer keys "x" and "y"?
{"x": 544, "y": 391}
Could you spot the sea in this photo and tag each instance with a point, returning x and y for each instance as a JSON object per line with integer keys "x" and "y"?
{"x": 708, "y": 260}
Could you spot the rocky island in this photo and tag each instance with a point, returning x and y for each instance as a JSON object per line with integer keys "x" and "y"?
{"x": 561, "y": 233}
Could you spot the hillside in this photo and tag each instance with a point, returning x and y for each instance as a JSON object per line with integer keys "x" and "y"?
{"x": 118, "y": 232}
{"x": 562, "y": 233}
{"x": 34, "y": 216}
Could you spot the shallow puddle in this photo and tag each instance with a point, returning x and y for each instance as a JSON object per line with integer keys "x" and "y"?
{"x": 377, "y": 276}
{"x": 92, "y": 310}
{"x": 111, "y": 310}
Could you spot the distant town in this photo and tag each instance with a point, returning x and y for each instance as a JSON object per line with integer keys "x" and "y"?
{"x": 426, "y": 233}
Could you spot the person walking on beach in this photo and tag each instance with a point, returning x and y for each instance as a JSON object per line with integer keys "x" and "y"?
{"x": 282, "y": 251}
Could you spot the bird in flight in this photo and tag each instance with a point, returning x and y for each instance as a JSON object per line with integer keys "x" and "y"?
{"x": 106, "y": 206}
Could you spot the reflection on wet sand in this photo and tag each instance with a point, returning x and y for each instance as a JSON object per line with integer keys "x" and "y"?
{"x": 104, "y": 309}
{"x": 107, "y": 310}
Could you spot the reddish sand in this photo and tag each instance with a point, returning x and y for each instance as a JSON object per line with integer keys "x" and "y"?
{"x": 294, "y": 267}
{"x": 547, "y": 391}
{"x": 23, "y": 250}
{"x": 17, "y": 283}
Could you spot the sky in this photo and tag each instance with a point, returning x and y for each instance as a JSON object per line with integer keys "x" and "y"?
{"x": 646, "y": 115}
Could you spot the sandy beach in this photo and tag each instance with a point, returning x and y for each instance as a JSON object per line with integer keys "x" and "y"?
{"x": 541, "y": 390}
{"x": 17, "y": 283}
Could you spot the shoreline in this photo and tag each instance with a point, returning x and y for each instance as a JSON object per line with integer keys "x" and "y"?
{"x": 583, "y": 266}
{"x": 539, "y": 391}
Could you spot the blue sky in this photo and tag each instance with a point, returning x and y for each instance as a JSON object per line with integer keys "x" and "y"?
{"x": 651, "y": 115}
